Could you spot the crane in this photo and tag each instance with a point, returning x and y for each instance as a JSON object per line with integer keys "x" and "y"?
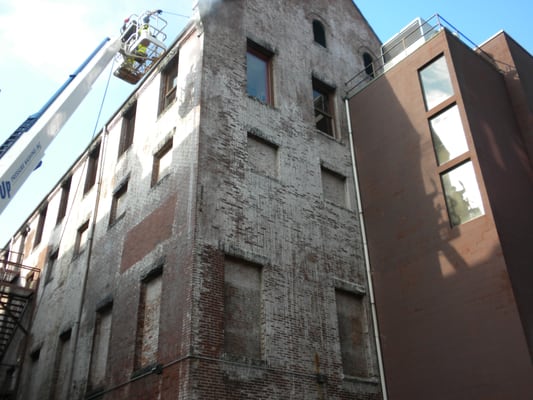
{"x": 137, "y": 49}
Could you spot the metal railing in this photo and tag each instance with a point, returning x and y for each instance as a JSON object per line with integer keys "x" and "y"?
{"x": 405, "y": 43}
{"x": 14, "y": 273}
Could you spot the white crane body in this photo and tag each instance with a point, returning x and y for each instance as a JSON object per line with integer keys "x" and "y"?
{"x": 23, "y": 151}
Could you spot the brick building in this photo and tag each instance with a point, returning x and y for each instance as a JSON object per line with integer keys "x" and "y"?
{"x": 207, "y": 245}
{"x": 444, "y": 148}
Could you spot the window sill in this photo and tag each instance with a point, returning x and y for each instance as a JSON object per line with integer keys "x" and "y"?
{"x": 116, "y": 220}
{"x": 264, "y": 175}
{"x": 257, "y": 100}
{"x": 168, "y": 107}
{"x": 360, "y": 379}
{"x": 243, "y": 360}
{"x": 149, "y": 369}
{"x": 342, "y": 207}
{"x": 324, "y": 134}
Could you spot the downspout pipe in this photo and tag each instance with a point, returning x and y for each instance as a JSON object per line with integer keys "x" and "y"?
{"x": 90, "y": 241}
{"x": 368, "y": 272}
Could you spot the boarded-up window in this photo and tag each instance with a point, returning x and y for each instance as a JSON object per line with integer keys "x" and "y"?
{"x": 352, "y": 333}
{"x": 33, "y": 385}
{"x": 334, "y": 186}
{"x": 262, "y": 156}
{"x": 162, "y": 162}
{"x": 148, "y": 320}
{"x": 81, "y": 238}
{"x": 242, "y": 309}
{"x": 102, "y": 334}
{"x": 118, "y": 203}
{"x": 61, "y": 367}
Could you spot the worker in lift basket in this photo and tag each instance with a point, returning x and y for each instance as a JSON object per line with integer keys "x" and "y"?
{"x": 128, "y": 29}
{"x": 143, "y": 31}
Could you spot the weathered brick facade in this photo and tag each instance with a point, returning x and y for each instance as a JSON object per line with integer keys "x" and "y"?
{"x": 249, "y": 248}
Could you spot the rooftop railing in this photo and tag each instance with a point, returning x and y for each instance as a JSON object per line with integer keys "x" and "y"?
{"x": 404, "y": 43}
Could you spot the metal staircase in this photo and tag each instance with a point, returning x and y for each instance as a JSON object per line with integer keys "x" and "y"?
{"x": 17, "y": 286}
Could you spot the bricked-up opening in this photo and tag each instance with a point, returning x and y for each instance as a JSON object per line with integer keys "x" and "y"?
{"x": 352, "y": 335}
{"x": 81, "y": 238}
{"x": 92, "y": 167}
{"x": 102, "y": 334}
{"x": 323, "y": 103}
{"x": 169, "y": 83}
{"x": 63, "y": 201}
{"x": 40, "y": 226}
{"x": 162, "y": 161}
{"x": 128, "y": 127}
{"x": 242, "y": 308}
{"x": 51, "y": 265}
{"x": 259, "y": 72}
{"x": 61, "y": 367}
{"x": 34, "y": 372}
{"x": 333, "y": 186}
{"x": 319, "y": 33}
{"x": 118, "y": 203}
{"x": 147, "y": 339}
{"x": 262, "y": 156}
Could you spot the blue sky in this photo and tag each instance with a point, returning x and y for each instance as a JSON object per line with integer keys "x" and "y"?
{"x": 43, "y": 41}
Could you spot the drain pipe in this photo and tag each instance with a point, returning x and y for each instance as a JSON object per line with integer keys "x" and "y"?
{"x": 367, "y": 258}
{"x": 90, "y": 239}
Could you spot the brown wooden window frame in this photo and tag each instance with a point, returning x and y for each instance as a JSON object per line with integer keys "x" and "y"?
{"x": 128, "y": 128}
{"x": 169, "y": 85}
{"x": 266, "y": 57}
{"x": 325, "y": 109}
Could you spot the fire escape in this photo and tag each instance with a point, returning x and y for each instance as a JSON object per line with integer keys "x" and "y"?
{"x": 18, "y": 283}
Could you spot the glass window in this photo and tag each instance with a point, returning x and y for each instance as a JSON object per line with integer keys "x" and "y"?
{"x": 436, "y": 83}
{"x": 322, "y": 100}
{"x": 461, "y": 190}
{"x": 448, "y": 135}
{"x": 258, "y": 74}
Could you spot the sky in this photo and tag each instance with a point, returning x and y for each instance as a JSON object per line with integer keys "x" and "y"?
{"x": 43, "y": 41}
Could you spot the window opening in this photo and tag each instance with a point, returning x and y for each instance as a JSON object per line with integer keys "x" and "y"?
{"x": 436, "y": 82}
{"x": 368, "y": 62}
{"x": 128, "y": 127}
{"x": 319, "y": 33}
{"x": 258, "y": 73}
{"x": 40, "y": 226}
{"x": 162, "y": 162}
{"x": 169, "y": 84}
{"x": 63, "y": 202}
{"x": 463, "y": 197}
{"x": 449, "y": 140}
{"x": 323, "y": 104}
{"x": 81, "y": 238}
{"x": 148, "y": 321}
{"x": 118, "y": 203}
{"x": 92, "y": 167}
{"x": 351, "y": 324}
